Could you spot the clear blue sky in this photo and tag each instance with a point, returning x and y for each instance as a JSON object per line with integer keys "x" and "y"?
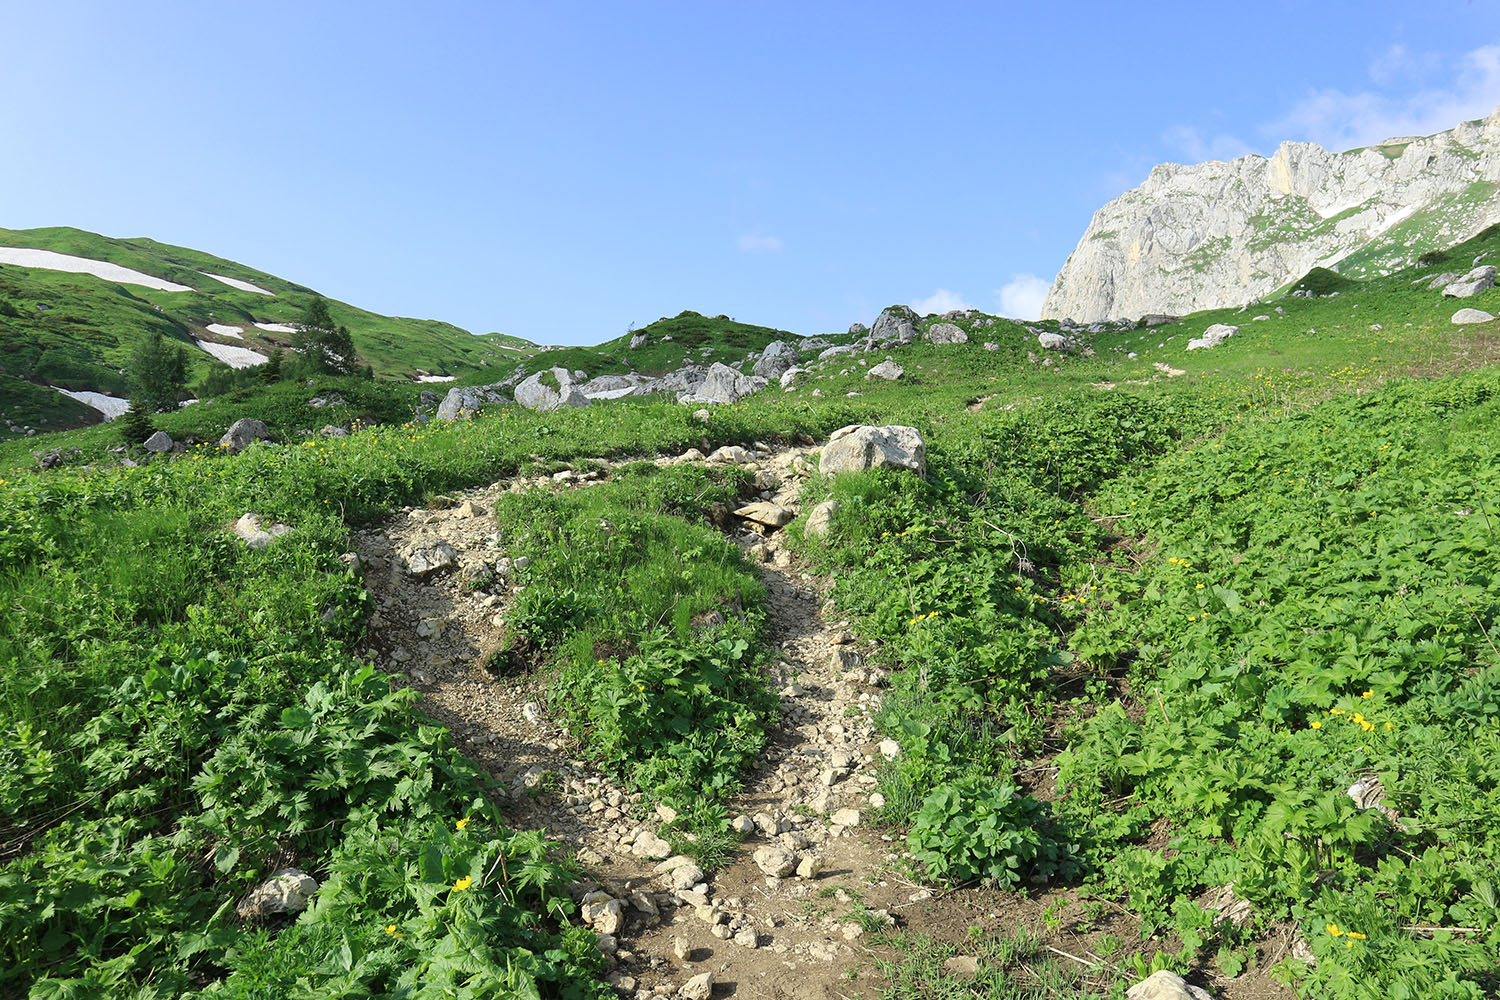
{"x": 561, "y": 170}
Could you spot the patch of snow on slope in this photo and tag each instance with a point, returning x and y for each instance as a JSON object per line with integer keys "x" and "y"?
{"x": 110, "y": 406}
{"x": 234, "y": 357}
{"x": 47, "y": 260}
{"x": 243, "y": 286}
{"x": 276, "y": 327}
{"x": 436, "y": 378}
{"x": 225, "y": 330}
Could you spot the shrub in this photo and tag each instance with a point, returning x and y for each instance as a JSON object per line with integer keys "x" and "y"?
{"x": 978, "y": 828}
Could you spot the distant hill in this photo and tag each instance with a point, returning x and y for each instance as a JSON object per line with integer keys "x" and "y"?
{"x": 73, "y": 303}
{"x": 1221, "y": 233}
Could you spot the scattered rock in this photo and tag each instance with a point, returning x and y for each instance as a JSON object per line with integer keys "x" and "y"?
{"x": 947, "y": 333}
{"x": 1213, "y": 336}
{"x": 770, "y": 514}
{"x": 649, "y": 845}
{"x": 723, "y": 385}
{"x": 286, "y": 891}
{"x": 425, "y": 558}
{"x": 159, "y": 442}
{"x": 253, "y": 533}
{"x": 243, "y": 433}
{"x": 775, "y": 862}
{"x": 846, "y": 817}
{"x": 1476, "y": 281}
{"x": 962, "y": 965}
{"x": 603, "y": 913}
{"x": 860, "y": 446}
{"x": 1166, "y": 985}
{"x": 1462, "y": 316}
{"x": 462, "y": 402}
{"x": 549, "y": 390}
{"x": 700, "y": 987}
{"x": 888, "y": 370}
{"x": 820, "y": 519}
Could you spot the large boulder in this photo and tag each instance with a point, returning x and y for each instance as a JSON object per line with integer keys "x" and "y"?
{"x": 1473, "y": 283}
{"x": 1440, "y": 280}
{"x": 462, "y": 402}
{"x": 778, "y": 357}
{"x": 723, "y": 385}
{"x": 820, "y": 519}
{"x": 1053, "y": 341}
{"x": 162, "y": 442}
{"x": 947, "y": 333}
{"x": 860, "y": 446}
{"x": 897, "y": 323}
{"x": 243, "y": 433}
{"x": 858, "y": 328}
{"x": 1165, "y": 985}
{"x": 838, "y": 351}
{"x": 1213, "y": 336}
{"x": 887, "y": 369}
{"x": 256, "y": 533}
{"x": 1462, "y": 316}
{"x": 549, "y": 390}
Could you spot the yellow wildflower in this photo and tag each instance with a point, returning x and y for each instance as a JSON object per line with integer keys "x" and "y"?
{"x": 1335, "y": 711}
{"x": 1334, "y": 929}
{"x": 1368, "y": 694}
{"x": 1356, "y": 935}
{"x": 462, "y": 884}
{"x": 391, "y": 930}
{"x": 1315, "y": 725}
{"x": 461, "y": 823}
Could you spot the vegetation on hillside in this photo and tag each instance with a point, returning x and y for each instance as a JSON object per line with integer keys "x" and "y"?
{"x": 1209, "y": 603}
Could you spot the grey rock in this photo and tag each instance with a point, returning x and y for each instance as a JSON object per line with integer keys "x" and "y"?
{"x": 897, "y": 323}
{"x": 723, "y": 385}
{"x": 762, "y": 512}
{"x": 462, "y": 402}
{"x": 243, "y": 433}
{"x": 789, "y": 377}
{"x": 947, "y": 333}
{"x": 425, "y": 558}
{"x": 1476, "y": 281}
{"x": 550, "y": 390}
{"x": 649, "y": 845}
{"x": 775, "y": 862}
{"x": 637, "y": 341}
{"x": 1053, "y": 341}
{"x": 820, "y": 519}
{"x": 861, "y": 446}
{"x": 858, "y": 328}
{"x": 700, "y": 987}
{"x": 1213, "y": 336}
{"x": 775, "y": 360}
{"x": 1462, "y": 316}
{"x": 257, "y": 535}
{"x": 837, "y": 352}
{"x": 158, "y": 442}
{"x": 888, "y": 370}
{"x": 286, "y": 891}
{"x": 330, "y": 431}
{"x": 1166, "y": 985}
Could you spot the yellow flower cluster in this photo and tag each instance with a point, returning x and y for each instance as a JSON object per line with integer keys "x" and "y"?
{"x": 1349, "y": 936}
{"x": 930, "y": 614}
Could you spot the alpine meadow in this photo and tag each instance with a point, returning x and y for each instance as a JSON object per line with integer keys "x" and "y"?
{"x": 1148, "y": 650}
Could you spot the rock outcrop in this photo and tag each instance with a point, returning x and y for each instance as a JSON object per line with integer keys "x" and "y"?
{"x": 550, "y": 389}
{"x": 1222, "y": 233}
{"x": 860, "y": 446}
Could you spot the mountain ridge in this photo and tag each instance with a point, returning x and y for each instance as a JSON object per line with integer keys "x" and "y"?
{"x": 1223, "y": 232}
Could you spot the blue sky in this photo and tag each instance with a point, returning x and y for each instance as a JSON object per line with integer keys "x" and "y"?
{"x": 562, "y": 170}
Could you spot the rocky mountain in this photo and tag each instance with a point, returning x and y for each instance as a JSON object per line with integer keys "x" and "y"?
{"x": 1221, "y": 233}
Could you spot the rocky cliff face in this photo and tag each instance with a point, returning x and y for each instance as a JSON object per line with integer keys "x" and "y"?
{"x": 1221, "y": 233}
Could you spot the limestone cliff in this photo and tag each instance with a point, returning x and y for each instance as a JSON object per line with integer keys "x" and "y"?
{"x": 1221, "y": 233}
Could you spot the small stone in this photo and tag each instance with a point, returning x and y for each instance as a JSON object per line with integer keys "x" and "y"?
{"x": 809, "y": 867}
{"x": 775, "y": 862}
{"x": 962, "y": 965}
{"x": 649, "y": 845}
{"x": 743, "y": 825}
{"x": 286, "y": 891}
{"x": 747, "y": 938}
{"x": 700, "y": 987}
{"x": 1166, "y": 985}
{"x": 681, "y": 948}
{"x": 889, "y": 749}
{"x": 846, "y": 817}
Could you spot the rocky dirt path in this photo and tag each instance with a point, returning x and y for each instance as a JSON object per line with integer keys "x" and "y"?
{"x": 787, "y": 917}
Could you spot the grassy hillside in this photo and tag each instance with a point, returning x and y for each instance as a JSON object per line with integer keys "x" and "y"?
{"x": 1207, "y": 602}
{"x": 76, "y": 331}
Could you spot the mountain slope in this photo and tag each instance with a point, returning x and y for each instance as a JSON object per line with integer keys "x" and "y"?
{"x": 1221, "y": 233}
{"x": 74, "y": 330}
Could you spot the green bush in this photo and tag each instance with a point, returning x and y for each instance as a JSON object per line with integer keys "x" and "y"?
{"x": 977, "y": 828}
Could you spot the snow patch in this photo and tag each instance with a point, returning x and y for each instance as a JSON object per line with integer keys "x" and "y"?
{"x": 234, "y": 357}
{"x": 276, "y": 327}
{"x": 225, "y": 330}
{"x": 243, "y": 286}
{"x": 50, "y": 261}
{"x": 110, "y": 406}
{"x": 436, "y": 378}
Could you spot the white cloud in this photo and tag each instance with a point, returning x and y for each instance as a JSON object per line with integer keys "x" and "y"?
{"x": 1195, "y": 148}
{"x": 750, "y": 243}
{"x": 1023, "y": 295}
{"x": 940, "y": 301}
{"x": 1340, "y": 120}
